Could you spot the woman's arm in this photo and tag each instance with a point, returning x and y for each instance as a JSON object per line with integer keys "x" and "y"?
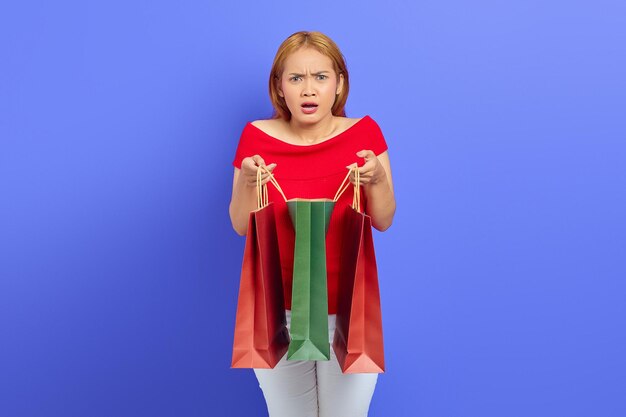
{"x": 375, "y": 176}
{"x": 244, "y": 197}
{"x": 242, "y": 202}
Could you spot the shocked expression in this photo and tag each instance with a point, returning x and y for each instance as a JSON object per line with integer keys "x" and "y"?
{"x": 309, "y": 85}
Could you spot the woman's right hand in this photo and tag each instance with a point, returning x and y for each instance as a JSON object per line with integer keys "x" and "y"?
{"x": 249, "y": 167}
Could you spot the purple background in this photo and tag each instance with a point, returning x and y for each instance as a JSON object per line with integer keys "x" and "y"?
{"x": 502, "y": 277}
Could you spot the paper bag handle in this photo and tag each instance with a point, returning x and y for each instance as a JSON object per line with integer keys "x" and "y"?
{"x": 345, "y": 184}
{"x": 272, "y": 179}
{"x": 356, "y": 199}
{"x": 261, "y": 191}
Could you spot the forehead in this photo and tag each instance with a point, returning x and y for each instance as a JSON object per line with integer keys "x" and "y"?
{"x": 308, "y": 59}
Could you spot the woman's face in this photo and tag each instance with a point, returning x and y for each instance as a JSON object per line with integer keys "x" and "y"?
{"x": 309, "y": 78}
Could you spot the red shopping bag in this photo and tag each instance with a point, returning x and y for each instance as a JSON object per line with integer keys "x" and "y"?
{"x": 358, "y": 339}
{"x": 261, "y": 336}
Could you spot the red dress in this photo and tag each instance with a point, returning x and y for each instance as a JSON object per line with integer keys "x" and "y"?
{"x": 311, "y": 171}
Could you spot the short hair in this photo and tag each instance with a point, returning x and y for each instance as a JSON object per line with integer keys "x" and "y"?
{"x": 324, "y": 45}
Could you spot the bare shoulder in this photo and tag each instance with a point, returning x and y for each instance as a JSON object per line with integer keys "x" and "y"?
{"x": 273, "y": 127}
{"x": 351, "y": 121}
{"x": 278, "y": 128}
{"x": 346, "y": 123}
{"x": 265, "y": 122}
{"x": 278, "y": 123}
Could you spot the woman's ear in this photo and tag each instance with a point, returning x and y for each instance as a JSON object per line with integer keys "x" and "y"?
{"x": 278, "y": 89}
{"x": 340, "y": 84}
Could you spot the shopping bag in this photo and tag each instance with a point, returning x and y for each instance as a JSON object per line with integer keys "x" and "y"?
{"x": 309, "y": 302}
{"x": 261, "y": 335}
{"x": 358, "y": 338}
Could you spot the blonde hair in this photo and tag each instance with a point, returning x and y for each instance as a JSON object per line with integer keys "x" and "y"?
{"x": 324, "y": 45}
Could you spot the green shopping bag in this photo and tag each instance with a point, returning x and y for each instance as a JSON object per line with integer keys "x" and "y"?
{"x": 309, "y": 300}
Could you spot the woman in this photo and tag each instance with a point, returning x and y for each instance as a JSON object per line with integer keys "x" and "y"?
{"x": 308, "y": 145}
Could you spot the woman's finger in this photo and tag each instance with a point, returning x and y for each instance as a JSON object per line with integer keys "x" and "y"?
{"x": 367, "y": 154}
{"x": 258, "y": 160}
{"x": 269, "y": 168}
{"x": 247, "y": 163}
{"x": 363, "y": 177}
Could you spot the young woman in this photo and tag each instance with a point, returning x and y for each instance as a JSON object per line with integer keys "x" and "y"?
{"x": 308, "y": 145}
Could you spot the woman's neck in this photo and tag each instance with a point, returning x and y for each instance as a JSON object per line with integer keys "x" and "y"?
{"x": 311, "y": 133}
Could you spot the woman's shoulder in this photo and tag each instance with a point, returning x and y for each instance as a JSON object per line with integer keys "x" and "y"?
{"x": 278, "y": 127}
{"x": 272, "y": 127}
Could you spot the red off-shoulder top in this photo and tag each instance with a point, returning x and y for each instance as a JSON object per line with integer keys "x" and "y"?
{"x": 311, "y": 171}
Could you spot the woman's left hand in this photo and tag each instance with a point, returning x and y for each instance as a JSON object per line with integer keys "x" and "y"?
{"x": 372, "y": 171}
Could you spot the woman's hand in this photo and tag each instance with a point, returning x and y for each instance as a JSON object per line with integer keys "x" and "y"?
{"x": 372, "y": 172}
{"x": 249, "y": 167}
{"x": 375, "y": 174}
{"x": 244, "y": 198}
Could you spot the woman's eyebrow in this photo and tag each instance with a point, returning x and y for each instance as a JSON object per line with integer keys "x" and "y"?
{"x": 314, "y": 73}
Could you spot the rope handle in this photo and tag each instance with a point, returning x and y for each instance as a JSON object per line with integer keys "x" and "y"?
{"x": 356, "y": 197}
{"x": 261, "y": 191}
{"x": 272, "y": 180}
{"x": 345, "y": 184}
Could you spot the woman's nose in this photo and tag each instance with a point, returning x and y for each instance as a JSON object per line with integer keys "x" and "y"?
{"x": 308, "y": 88}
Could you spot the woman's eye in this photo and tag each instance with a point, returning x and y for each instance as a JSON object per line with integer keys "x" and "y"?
{"x": 319, "y": 77}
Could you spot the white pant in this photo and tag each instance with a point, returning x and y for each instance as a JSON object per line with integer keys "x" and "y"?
{"x": 315, "y": 388}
